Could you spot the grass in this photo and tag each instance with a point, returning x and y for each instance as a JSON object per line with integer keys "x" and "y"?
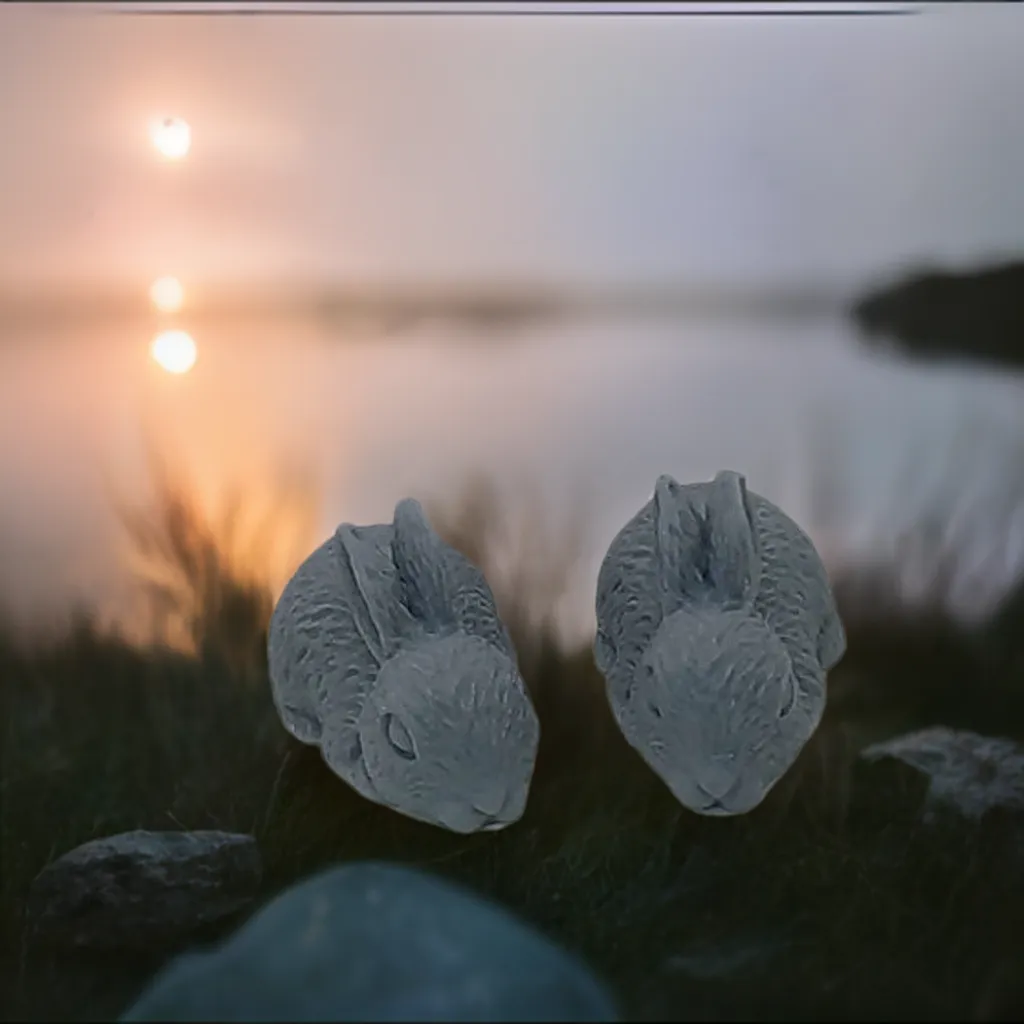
{"x": 830, "y": 901}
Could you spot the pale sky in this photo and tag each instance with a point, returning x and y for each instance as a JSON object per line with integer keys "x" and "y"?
{"x": 458, "y": 150}
{"x": 533, "y": 148}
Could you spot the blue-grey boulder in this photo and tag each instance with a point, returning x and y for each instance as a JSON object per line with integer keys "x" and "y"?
{"x": 377, "y": 942}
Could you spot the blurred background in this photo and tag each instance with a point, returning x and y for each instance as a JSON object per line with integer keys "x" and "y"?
{"x": 566, "y": 253}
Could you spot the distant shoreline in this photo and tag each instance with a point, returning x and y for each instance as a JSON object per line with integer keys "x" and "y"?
{"x": 483, "y": 307}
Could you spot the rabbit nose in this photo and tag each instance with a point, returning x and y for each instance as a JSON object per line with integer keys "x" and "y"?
{"x": 717, "y": 779}
{"x": 490, "y": 802}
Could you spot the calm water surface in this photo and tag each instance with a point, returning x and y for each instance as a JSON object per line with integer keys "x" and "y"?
{"x": 854, "y": 446}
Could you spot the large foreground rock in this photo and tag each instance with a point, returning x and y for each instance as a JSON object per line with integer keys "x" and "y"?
{"x": 142, "y": 889}
{"x": 377, "y": 942}
{"x": 967, "y": 772}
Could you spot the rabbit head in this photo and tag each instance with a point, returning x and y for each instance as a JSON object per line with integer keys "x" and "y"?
{"x": 448, "y": 734}
{"x": 713, "y": 710}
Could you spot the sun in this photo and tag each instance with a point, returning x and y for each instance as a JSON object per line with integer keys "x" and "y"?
{"x": 167, "y": 294}
{"x": 172, "y": 137}
{"x": 174, "y": 351}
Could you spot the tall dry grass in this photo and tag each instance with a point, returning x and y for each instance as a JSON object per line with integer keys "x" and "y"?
{"x": 208, "y": 577}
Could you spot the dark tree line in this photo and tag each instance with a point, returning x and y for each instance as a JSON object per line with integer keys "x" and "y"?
{"x": 976, "y": 316}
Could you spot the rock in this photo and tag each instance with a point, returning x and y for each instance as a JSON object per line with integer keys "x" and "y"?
{"x": 142, "y": 889}
{"x": 970, "y": 773}
{"x": 375, "y": 942}
{"x": 885, "y": 790}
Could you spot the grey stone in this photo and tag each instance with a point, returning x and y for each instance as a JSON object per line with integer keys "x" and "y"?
{"x": 716, "y": 628}
{"x": 966, "y": 772}
{"x": 142, "y": 889}
{"x": 387, "y": 653}
{"x": 884, "y": 790}
{"x": 377, "y": 942}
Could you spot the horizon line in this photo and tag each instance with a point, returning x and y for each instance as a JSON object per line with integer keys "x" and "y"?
{"x": 399, "y": 307}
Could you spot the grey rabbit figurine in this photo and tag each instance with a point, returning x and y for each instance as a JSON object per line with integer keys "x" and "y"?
{"x": 386, "y": 651}
{"x": 716, "y": 628}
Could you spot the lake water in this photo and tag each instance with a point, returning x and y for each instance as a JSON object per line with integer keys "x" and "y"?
{"x": 856, "y": 447}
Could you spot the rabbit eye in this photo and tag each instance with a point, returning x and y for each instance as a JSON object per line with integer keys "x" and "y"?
{"x": 398, "y": 737}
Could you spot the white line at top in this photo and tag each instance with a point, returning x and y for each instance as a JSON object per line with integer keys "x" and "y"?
{"x": 499, "y": 7}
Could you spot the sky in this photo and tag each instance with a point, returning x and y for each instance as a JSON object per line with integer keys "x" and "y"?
{"x": 566, "y": 148}
{"x": 552, "y": 151}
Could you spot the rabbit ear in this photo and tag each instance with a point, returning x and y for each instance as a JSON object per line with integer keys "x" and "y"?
{"x": 418, "y": 557}
{"x": 736, "y": 558}
{"x": 332, "y": 629}
{"x": 368, "y": 588}
{"x": 439, "y": 585}
{"x": 705, "y": 540}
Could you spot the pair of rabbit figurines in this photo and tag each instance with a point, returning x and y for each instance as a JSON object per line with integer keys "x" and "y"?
{"x": 715, "y": 630}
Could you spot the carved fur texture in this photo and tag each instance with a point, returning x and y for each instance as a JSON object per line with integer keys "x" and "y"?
{"x": 386, "y": 652}
{"x": 716, "y": 627}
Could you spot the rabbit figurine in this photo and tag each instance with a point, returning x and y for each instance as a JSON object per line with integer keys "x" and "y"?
{"x": 386, "y": 651}
{"x": 715, "y": 630}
